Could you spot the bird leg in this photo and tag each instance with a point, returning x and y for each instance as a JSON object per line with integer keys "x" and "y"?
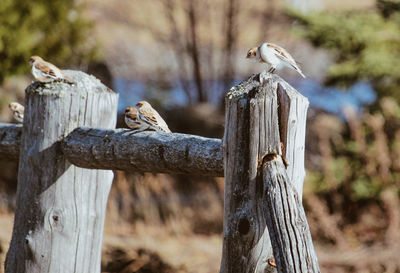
{"x": 135, "y": 131}
{"x": 272, "y": 70}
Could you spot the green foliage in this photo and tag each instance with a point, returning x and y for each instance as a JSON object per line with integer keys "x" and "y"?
{"x": 366, "y": 44}
{"x": 55, "y": 30}
{"x": 365, "y": 160}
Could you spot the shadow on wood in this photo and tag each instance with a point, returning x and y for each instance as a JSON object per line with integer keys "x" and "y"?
{"x": 148, "y": 151}
{"x": 124, "y": 149}
{"x": 60, "y": 212}
{"x": 255, "y": 109}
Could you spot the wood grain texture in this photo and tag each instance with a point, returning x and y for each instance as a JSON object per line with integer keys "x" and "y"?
{"x": 259, "y": 122}
{"x": 149, "y": 151}
{"x": 59, "y": 219}
{"x": 10, "y": 140}
{"x": 292, "y": 120}
{"x": 251, "y": 131}
{"x": 287, "y": 222}
{"x": 124, "y": 149}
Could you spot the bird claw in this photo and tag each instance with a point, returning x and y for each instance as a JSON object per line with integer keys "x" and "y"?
{"x": 135, "y": 131}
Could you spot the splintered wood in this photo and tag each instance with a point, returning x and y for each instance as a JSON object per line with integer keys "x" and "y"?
{"x": 263, "y": 215}
{"x": 60, "y": 212}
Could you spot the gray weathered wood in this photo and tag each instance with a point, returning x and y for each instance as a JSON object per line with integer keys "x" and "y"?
{"x": 254, "y": 111}
{"x": 124, "y": 149}
{"x": 292, "y": 122}
{"x": 60, "y": 212}
{"x": 250, "y": 132}
{"x": 149, "y": 151}
{"x": 287, "y": 222}
{"x": 10, "y": 140}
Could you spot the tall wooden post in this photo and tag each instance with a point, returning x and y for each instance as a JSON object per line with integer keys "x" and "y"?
{"x": 263, "y": 150}
{"x": 60, "y": 212}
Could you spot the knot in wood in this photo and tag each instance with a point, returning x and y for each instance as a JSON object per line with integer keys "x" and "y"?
{"x": 55, "y": 219}
{"x": 267, "y": 158}
{"x": 243, "y": 226}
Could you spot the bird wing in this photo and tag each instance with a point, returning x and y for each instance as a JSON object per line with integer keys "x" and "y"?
{"x": 46, "y": 69}
{"x": 148, "y": 116}
{"x": 151, "y": 117}
{"x": 282, "y": 54}
{"x": 162, "y": 123}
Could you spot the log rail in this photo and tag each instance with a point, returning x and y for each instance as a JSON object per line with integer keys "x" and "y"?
{"x": 66, "y": 151}
{"x": 124, "y": 149}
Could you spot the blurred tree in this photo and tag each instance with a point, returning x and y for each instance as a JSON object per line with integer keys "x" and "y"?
{"x": 387, "y": 7}
{"x": 359, "y": 168}
{"x": 55, "y": 30}
{"x": 366, "y": 43}
{"x": 193, "y": 49}
{"x": 203, "y": 39}
{"x": 230, "y": 44}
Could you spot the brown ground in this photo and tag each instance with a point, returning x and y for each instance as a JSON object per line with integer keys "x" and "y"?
{"x": 150, "y": 249}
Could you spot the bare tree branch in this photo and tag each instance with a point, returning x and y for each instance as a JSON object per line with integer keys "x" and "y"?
{"x": 194, "y": 52}
{"x": 231, "y": 38}
{"x": 178, "y": 47}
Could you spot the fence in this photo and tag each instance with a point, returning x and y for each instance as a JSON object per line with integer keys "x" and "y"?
{"x": 64, "y": 174}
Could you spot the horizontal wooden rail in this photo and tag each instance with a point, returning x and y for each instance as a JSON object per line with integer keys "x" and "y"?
{"x": 64, "y": 177}
{"x": 127, "y": 150}
{"x": 10, "y": 140}
{"x": 148, "y": 151}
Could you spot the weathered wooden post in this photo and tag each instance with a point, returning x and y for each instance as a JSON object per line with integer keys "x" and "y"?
{"x": 264, "y": 172}
{"x": 60, "y": 212}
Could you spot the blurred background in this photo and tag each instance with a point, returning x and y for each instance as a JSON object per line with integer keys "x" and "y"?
{"x": 183, "y": 56}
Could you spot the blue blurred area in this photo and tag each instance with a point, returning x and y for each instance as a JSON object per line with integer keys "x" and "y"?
{"x": 333, "y": 99}
{"x": 329, "y": 99}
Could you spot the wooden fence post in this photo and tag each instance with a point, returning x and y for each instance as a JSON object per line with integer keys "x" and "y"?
{"x": 264, "y": 139}
{"x": 59, "y": 219}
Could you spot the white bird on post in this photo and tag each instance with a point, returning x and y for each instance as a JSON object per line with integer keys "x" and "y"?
{"x": 275, "y": 56}
{"x": 46, "y": 72}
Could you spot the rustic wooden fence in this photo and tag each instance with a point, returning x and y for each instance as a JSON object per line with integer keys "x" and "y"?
{"x": 68, "y": 144}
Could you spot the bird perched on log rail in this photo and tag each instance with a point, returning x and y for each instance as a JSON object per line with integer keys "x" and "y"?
{"x": 144, "y": 118}
{"x": 132, "y": 120}
{"x": 17, "y": 110}
{"x": 46, "y": 72}
{"x": 275, "y": 56}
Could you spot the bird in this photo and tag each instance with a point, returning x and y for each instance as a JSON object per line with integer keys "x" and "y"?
{"x": 275, "y": 56}
{"x": 132, "y": 120}
{"x": 17, "y": 110}
{"x": 46, "y": 72}
{"x": 144, "y": 117}
{"x": 149, "y": 115}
